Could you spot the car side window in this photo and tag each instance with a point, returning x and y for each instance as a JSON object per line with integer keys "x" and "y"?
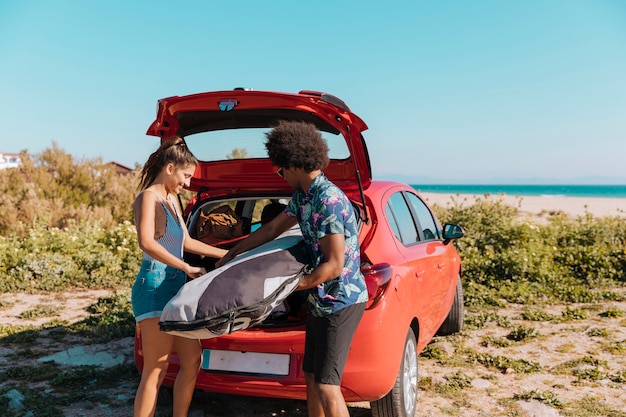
{"x": 392, "y": 222}
{"x": 424, "y": 217}
{"x": 404, "y": 227}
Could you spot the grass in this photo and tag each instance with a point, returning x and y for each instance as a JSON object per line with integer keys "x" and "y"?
{"x": 590, "y": 406}
{"x": 495, "y": 341}
{"x": 546, "y": 397}
{"x": 491, "y": 358}
{"x": 478, "y": 321}
{"x": 47, "y": 387}
{"x": 503, "y": 363}
{"x": 457, "y": 381}
{"x": 65, "y": 387}
{"x": 614, "y": 312}
{"x": 616, "y": 347}
{"x": 597, "y": 332}
{"x": 536, "y": 314}
{"x": 43, "y": 311}
{"x": 522, "y": 333}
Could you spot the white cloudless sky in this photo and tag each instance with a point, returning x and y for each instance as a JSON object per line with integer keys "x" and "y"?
{"x": 452, "y": 91}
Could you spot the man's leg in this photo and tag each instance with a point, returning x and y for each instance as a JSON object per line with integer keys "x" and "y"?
{"x": 313, "y": 401}
{"x": 325, "y": 400}
{"x": 327, "y": 345}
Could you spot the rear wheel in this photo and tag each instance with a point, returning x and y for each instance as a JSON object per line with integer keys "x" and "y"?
{"x": 454, "y": 321}
{"x": 402, "y": 399}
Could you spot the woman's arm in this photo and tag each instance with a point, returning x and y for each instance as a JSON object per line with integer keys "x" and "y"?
{"x": 145, "y": 221}
{"x": 196, "y": 246}
{"x": 200, "y": 248}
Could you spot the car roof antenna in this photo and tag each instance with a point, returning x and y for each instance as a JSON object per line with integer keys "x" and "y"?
{"x": 358, "y": 178}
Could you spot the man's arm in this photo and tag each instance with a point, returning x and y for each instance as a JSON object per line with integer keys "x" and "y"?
{"x": 333, "y": 247}
{"x": 265, "y": 233}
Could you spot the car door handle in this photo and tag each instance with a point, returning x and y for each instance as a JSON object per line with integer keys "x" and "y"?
{"x": 440, "y": 265}
{"x": 419, "y": 274}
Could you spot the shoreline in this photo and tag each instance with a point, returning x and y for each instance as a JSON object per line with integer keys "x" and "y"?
{"x": 537, "y": 205}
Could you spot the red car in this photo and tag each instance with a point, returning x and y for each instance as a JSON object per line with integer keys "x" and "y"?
{"x": 412, "y": 270}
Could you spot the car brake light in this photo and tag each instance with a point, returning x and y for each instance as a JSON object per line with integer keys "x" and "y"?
{"x": 376, "y": 278}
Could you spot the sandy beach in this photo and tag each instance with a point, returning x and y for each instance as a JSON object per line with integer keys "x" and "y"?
{"x": 538, "y": 206}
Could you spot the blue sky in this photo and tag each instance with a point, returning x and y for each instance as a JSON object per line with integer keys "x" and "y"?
{"x": 452, "y": 91}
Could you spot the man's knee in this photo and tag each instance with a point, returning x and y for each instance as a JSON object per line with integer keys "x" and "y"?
{"x": 328, "y": 391}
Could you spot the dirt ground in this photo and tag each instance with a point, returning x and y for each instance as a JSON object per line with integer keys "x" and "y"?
{"x": 485, "y": 390}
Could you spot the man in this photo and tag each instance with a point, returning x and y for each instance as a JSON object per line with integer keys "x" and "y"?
{"x": 336, "y": 288}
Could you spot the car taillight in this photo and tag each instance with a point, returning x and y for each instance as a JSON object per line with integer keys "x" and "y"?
{"x": 376, "y": 277}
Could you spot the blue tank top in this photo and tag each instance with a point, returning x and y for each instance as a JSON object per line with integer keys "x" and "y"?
{"x": 174, "y": 237}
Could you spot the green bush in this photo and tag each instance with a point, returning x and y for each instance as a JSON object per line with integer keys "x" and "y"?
{"x": 505, "y": 257}
{"x": 80, "y": 255}
{"x": 66, "y": 223}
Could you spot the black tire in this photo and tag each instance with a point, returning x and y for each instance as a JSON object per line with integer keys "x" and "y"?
{"x": 454, "y": 321}
{"x": 401, "y": 401}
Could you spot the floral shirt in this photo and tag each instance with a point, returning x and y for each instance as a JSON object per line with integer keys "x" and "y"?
{"x": 325, "y": 210}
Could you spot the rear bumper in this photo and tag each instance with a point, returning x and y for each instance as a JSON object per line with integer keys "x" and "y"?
{"x": 370, "y": 371}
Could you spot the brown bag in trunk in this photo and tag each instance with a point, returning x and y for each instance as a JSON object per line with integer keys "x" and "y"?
{"x": 220, "y": 224}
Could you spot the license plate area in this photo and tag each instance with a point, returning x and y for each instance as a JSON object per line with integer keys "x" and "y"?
{"x": 276, "y": 364}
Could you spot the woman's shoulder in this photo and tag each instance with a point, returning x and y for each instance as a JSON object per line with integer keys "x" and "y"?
{"x": 146, "y": 197}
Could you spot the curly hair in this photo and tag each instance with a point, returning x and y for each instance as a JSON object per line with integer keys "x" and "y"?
{"x": 294, "y": 144}
{"x": 173, "y": 151}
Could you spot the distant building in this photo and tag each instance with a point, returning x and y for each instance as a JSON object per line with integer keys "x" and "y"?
{"x": 10, "y": 160}
{"x": 121, "y": 169}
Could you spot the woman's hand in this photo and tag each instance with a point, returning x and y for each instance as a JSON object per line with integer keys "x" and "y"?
{"x": 194, "y": 272}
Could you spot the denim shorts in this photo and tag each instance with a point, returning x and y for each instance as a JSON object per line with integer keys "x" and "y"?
{"x": 155, "y": 285}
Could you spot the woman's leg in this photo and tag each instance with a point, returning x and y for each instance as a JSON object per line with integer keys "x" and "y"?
{"x": 156, "y": 346}
{"x": 190, "y": 355}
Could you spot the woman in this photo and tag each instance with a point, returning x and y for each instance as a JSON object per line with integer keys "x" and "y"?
{"x": 162, "y": 236}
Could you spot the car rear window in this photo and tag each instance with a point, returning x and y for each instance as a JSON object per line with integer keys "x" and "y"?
{"x": 248, "y": 143}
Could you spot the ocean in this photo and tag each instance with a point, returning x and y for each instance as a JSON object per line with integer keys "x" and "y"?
{"x": 602, "y": 191}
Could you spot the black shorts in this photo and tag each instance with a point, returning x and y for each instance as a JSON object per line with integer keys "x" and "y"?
{"x": 328, "y": 342}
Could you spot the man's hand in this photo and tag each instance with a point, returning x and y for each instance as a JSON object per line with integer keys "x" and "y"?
{"x": 229, "y": 255}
